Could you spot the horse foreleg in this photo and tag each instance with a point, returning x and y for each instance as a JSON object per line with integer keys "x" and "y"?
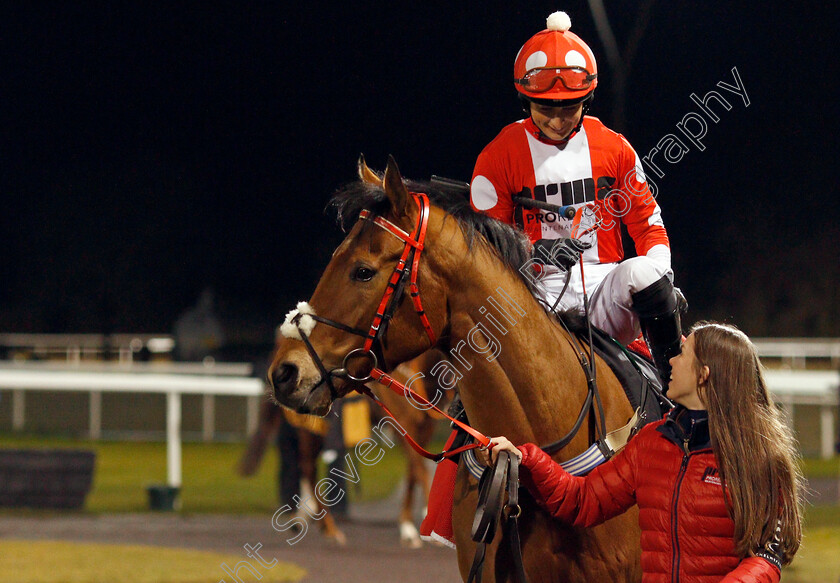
{"x": 463, "y": 511}
{"x": 423, "y": 476}
{"x": 417, "y": 475}
{"x": 552, "y": 552}
{"x": 330, "y": 529}
{"x": 409, "y": 536}
{"x": 310, "y": 449}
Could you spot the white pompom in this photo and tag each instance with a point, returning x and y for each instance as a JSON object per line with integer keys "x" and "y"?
{"x": 290, "y": 330}
{"x": 558, "y": 21}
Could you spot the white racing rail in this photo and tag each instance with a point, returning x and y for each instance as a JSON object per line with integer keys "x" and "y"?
{"x": 789, "y": 387}
{"x": 809, "y": 387}
{"x": 794, "y": 352}
{"x": 173, "y": 380}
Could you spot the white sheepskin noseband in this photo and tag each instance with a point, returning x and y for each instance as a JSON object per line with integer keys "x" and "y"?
{"x": 290, "y": 330}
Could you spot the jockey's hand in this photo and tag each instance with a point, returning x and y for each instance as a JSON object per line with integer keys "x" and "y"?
{"x": 562, "y": 253}
{"x": 489, "y": 455}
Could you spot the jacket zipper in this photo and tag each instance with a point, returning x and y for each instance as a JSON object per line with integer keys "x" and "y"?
{"x": 675, "y": 543}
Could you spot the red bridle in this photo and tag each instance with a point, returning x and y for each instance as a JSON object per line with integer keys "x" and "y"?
{"x": 414, "y": 245}
{"x": 414, "y": 242}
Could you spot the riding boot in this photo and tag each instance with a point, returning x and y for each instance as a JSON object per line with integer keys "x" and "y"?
{"x": 659, "y": 306}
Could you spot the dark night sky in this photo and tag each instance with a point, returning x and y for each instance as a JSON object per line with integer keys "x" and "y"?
{"x": 148, "y": 153}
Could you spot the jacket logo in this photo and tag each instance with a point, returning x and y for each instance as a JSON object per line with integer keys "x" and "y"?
{"x": 574, "y": 192}
{"x": 710, "y": 476}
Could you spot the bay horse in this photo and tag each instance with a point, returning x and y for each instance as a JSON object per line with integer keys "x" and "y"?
{"x": 517, "y": 369}
{"x": 307, "y": 436}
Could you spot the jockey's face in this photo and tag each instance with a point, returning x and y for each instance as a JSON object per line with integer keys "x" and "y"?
{"x": 556, "y": 122}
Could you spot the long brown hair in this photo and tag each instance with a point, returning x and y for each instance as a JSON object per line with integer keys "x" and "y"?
{"x": 755, "y": 449}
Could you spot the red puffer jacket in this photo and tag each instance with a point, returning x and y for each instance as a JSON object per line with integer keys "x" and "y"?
{"x": 687, "y": 535}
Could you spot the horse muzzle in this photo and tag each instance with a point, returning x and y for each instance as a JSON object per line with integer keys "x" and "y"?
{"x": 309, "y": 398}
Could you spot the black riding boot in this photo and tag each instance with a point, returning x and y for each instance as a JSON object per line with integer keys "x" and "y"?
{"x": 659, "y": 307}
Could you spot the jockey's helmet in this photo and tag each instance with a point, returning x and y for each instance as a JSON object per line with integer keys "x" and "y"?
{"x": 555, "y": 67}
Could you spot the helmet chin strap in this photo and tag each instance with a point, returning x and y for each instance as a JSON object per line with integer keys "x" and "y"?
{"x": 586, "y": 104}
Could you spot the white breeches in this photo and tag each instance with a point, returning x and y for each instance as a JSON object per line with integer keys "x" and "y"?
{"x": 610, "y": 287}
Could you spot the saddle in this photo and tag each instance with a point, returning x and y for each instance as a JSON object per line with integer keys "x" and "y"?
{"x": 636, "y": 372}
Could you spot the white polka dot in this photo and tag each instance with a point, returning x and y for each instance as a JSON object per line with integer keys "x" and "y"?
{"x": 640, "y": 173}
{"x": 535, "y": 60}
{"x": 483, "y": 193}
{"x": 575, "y": 59}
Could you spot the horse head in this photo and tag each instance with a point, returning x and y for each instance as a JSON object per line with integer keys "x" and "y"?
{"x": 358, "y": 318}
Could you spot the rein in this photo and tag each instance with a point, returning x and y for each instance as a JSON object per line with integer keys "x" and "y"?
{"x": 491, "y": 491}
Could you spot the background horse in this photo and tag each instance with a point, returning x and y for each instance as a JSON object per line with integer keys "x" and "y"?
{"x": 302, "y": 441}
{"x": 518, "y": 371}
{"x": 421, "y": 426}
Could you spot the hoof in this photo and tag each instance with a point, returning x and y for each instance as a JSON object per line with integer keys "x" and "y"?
{"x": 409, "y": 537}
{"x": 337, "y": 538}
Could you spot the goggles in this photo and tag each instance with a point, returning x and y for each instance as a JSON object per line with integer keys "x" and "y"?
{"x": 542, "y": 80}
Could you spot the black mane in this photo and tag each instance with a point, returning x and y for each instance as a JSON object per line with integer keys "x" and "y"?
{"x": 510, "y": 245}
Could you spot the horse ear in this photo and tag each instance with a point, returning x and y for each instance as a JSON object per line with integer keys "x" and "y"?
{"x": 395, "y": 188}
{"x": 366, "y": 174}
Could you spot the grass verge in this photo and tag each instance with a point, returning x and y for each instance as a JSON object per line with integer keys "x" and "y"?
{"x": 210, "y": 482}
{"x": 818, "y": 560}
{"x": 25, "y": 561}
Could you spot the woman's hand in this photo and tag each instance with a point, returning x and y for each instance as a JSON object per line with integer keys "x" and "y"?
{"x": 488, "y": 456}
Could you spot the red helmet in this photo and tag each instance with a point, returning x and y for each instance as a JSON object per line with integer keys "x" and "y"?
{"x": 555, "y": 65}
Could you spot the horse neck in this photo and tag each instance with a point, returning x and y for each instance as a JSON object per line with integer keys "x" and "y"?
{"x": 521, "y": 376}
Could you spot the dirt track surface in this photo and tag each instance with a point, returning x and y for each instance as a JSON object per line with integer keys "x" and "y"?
{"x": 372, "y": 554}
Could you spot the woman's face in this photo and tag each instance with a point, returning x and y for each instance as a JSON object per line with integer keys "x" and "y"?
{"x": 686, "y": 376}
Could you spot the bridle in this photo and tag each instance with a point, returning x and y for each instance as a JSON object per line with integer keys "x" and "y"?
{"x": 405, "y": 273}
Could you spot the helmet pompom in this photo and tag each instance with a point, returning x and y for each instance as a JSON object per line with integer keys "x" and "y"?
{"x": 558, "y": 21}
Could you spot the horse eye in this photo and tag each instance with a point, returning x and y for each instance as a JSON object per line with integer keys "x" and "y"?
{"x": 364, "y": 274}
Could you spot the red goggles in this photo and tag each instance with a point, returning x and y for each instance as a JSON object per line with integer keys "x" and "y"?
{"x": 542, "y": 80}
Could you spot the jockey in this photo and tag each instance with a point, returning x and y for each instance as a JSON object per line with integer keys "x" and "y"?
{"x": 560, "y": 155}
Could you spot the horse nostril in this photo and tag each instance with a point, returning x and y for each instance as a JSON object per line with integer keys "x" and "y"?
{"x": 283, "y": 375}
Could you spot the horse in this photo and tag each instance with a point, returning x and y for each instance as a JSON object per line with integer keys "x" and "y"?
{"x": 472, "y": 296}
{"x": 303, "y": 442}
